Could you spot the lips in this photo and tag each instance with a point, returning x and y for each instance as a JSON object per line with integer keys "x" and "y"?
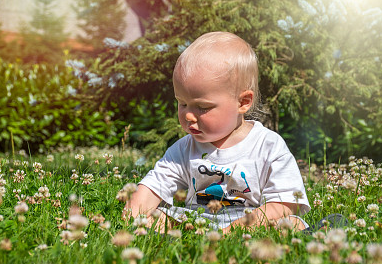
{"x": 194, "y": 131}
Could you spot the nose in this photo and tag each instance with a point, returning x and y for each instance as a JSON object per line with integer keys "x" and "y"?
{"x": 190, "y": 117}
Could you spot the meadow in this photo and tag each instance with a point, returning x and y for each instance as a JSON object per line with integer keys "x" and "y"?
{"x": 66, "y": 207}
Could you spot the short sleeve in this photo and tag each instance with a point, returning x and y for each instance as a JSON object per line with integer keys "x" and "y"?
{"x": 282, "y": 180}
{"x": 168, "y": 175}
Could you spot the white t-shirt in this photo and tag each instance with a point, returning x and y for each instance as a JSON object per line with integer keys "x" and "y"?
{"x": 258, "y": 170}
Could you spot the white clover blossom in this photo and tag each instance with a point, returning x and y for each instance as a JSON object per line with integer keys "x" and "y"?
{"x": 372, "y": 208}
{"x": 131, "y": 254}
{"x": 360, "y": 222}
{"x": 21, "y": 208}
{"x": 79, "y": 157}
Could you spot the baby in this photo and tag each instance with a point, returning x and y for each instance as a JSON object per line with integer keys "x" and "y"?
{"x": 237, "y": 162}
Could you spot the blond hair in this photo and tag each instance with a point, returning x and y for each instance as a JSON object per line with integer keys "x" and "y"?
{"x": 229, "y": 55}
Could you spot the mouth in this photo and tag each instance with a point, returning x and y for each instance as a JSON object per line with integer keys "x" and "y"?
{"x": 194, "y": 131}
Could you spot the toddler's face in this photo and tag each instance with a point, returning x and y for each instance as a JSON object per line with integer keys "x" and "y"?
{"x": 207, "y": 107}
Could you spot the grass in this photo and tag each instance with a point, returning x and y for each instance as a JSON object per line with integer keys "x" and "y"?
{"x": 51, "y": 189}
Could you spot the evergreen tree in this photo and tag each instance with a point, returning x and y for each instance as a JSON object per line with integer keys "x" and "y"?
{"x": 100, "y": 19}
{"x": 43, "y": 37}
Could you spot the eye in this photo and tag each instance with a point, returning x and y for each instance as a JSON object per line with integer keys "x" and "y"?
{"x": 204, "y": 109}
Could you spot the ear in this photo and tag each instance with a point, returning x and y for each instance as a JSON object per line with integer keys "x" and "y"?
{"x": 245, "y": 101}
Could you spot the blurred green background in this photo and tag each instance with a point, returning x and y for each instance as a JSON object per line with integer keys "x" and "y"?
{"x": 319, "y": 63}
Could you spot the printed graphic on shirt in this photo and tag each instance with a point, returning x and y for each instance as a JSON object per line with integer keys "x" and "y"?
{"x": 218, "y": 190}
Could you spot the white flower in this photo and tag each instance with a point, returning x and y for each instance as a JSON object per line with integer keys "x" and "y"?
{"x": 79, "y": 157}
{"x": 131, "y": 254}
{"x": 78, "y": 222}
{"x": 21, "y": 208}
{"x": 373, "y": 208}
{"x": 360, "y": 222}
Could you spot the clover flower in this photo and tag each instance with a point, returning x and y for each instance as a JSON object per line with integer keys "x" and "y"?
{"x": 298, "y": 195}
{"x": 372, "y": 208}
{"x": 108, "y": 158}
{"x": 122, "y": 239}
{"x": 105, "y": 225}
{"x": 37, "y": 166}
{"x": 50, "y": 158}
{"x": 200, "y": 221}
{"x": 361, "y": 199}
{"x": 315, "y": 248}
{"x": 214, "y": 206}
{"x": 140, "y": 221}
{"x": 19, "y": 176}
{"x": 336, "y": 237}
{"x": 77, "y": 222}
{"x": 41, "y": 247}
{"x": 180, "y": 195}
{"x": 374, "y": 251}
{"x": 21, "y": 208}
{"x": 132, "y": 254}
{"x": 295, "y": 241}
{"x": 79, "y": 157}
{"x": 6, "y": 244}
{"x": 175, "y": 233}
{"x": 87, "y": 178}
{"x": 213, "y": 236}
{"x": 360, "y": 222}
{"x": 265, "y": 249}
{"x": 285, "y": 224}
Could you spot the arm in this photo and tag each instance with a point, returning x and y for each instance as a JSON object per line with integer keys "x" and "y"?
{"x": 143, "y": 201}
{"x": 263, "y": 214}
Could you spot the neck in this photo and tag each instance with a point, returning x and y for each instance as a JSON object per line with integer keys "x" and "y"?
{"x": 236, "y": 136}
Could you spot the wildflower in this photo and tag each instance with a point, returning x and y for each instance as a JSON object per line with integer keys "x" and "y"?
{"x": 314, "y": 259}
{"x": 41, "y": 247}
{"x": 319, "y": 235}
{"x": 317, "y": 203}
{"x": 96, "y": 162}
{"x": 285, "y": 224}
{"x": 122, "y": 239}
{"x": 180, "y": 195}
{"x": 361, "y": 199}
{"x": 19, "y": 176}
{"x": 77, "y": 222}
{"x": 189, "y": 226}
{"x": 360, "y": 222}
{"x": 372, "y": 208}
{"x": 79, "y": 157}
{"x": 1, "y": 218}
{"x": 350, "y": 184}
{"x": 352, "y": 216}
{"x": 296, "y": 241}
{"x": 130, "y": 188}
{"x": 44, "y": 191}
{"x": 214, "y": 206}
{"x": 78, "y": 235}
{"x": 298, "y": 195}
{"x": 354, "y": 258}
{"x": 58, "y": 194}
{"x": 65, "y": 237}
{"x": 132, "y": 254}
{"x": 98, "y": 219}
{"x": 265, "y": 249}
{"x": 6, "y": 244}
{"x": 140, "y": 221}
{"x": 351, "y": 231}
{"x": 37, "y": 166}
{"x": 336, "y": 237}
{"x": 108, "y": 158}
{"x": 21, "y": 208}
{"x": 200, "y": 231}
{"x": 83, "y": 245}
{"x": 73, "y": 197}
{"x": 209, "y": 255}
{"x": 87, "y": 178}
{"x": 105, "y": 225}
{"x": 140, "y": 231}
{"x": 175, "y": 233}
{"x": 315, "y": 248}
{"x": 182, "y": 218}
{"x": 50, "y": 158}
{"x": 200, "y": 221}
{"x": 213, "y": 236}
{"x": 156, "y": 214}
{"x": 248, "y": 210}
{"x": 374, "y": 251}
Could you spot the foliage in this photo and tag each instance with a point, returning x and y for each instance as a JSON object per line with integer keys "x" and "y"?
{"x": 39, "y": 110}
{"x": 336, "y": 51}
{"x": 54, "y": 185}
{"x": 100, "y": 19}
{"x": 42, "y": 37}
{"x": 312, "y": 72}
